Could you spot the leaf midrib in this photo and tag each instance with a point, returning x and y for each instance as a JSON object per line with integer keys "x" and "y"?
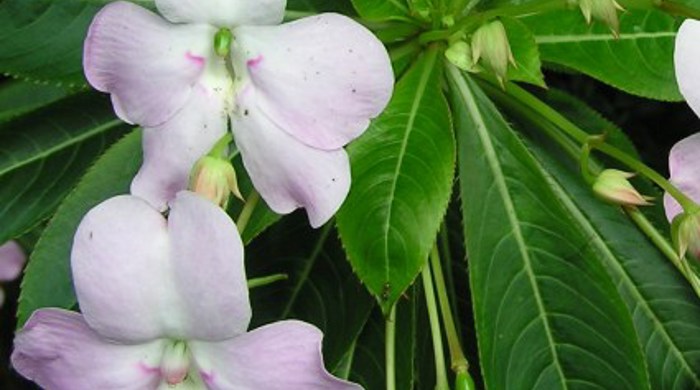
{"x": 499, "y": 179}
{"x": 45, "y": 153}
{"x": 420, "y": 93}
{"x": 584, "y": 37}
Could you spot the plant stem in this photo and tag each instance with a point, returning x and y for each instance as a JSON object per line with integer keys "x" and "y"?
{"x": 458, "y": 360}
{"x": 440, "y": 371}
{"x": 390, "y": 349}
{"x": 247, "y": 212}
{"x": 581, "y": 136}
{"x": 219, "y": 150}
{"x": 265, "y": 280}
{"x": 471, "y": 22}
{"x": 664, "y": 246}
{"x": 678, "y": 9}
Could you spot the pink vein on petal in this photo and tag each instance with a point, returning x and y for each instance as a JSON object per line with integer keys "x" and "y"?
{"x": 254, "y": 62}
{"x": 199, "y": 60}
{"x": 146, "y": 369}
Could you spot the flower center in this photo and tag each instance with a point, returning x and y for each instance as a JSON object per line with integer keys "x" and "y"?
{"x": 175, "y": 363}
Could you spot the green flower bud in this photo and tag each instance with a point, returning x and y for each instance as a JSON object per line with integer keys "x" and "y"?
{"x": 491, "y": 49}
{"x": 602, "y": 10}
{"x": 460, "y": 55}
{"x": 612, "y": 185}
{"x": 685, "y": 233}
{"x": 215, "y": 179}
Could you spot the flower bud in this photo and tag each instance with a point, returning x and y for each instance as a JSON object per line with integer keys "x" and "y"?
{"x": 491, "y": 49}
{"x": 175, "y": 363}
{"x": 602, "y": 10}
{"x": 460, "y": 55}
{"x": 613, "y": 186}
{"x": 685, "y": 232}
{"x": 215, "y": 179}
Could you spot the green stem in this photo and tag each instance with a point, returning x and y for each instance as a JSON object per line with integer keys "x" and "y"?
{"x": 220, "y": 148}
{"x": 581, "y": 136}
{"x": 664, "y": 246}
{"x": 678, "y": 9}
{"x": 471, "y": 22}
{"x": 440, "y": 371}
{"x": 265, "y": 280}
{"x": 390, "y": 349}
{"x": 458, "y": 360}
{"x": 247, "y": 212}
{"x": 549, "y": 120}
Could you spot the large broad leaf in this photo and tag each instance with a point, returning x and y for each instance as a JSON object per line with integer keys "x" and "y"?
{"x": 43, "y": 39}
{"x": 42, "y": 156}
{"x": 402, "y": 177}
{"x": 548, "y": 316}
{"x": 381, "y": 9}
{"x": 639, "y": 61}
{"x": 19, "y": 97}
{"x": 665, "y": 309}
{"x": 47, "y": 280}
{"x": 527, "y": 66}
{"x": 321, "y": 288}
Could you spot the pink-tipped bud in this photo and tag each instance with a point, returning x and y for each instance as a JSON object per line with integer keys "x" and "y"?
{"x": 685, "y": 232}
{"x": 215, "y": 179}
{"x": 175, "y": 363}
{"x": 613, "y": 185}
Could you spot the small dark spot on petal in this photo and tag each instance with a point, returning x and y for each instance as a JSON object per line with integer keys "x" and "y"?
{"x": 245, "y": 112}
{"x": 354, "y": 90}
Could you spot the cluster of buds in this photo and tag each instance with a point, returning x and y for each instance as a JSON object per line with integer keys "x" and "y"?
{"x": 488, "y": 49}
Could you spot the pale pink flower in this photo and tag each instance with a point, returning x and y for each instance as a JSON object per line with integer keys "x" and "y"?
{"x": 300, "y": 92}
{"x": 12, "y": 259}
{"x": 165, "y": 306}
{"x": 684, "y": 159}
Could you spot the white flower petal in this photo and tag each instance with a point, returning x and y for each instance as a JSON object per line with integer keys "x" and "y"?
{"x": 287, "y": 173}
{"x": 139, "y": 277}
{"x": 285, "y": 355}
{"x": 684, "y": 166}
{"x": 321, "y": 78}
{"x": 223, "y": 13}
{"x": 148, "y": 65}
{"x": 171, "y": 150}
{"x": 687, "y": 62}
{"x": 58, "y": 350}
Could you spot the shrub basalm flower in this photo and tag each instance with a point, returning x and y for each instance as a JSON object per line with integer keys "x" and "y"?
{"x": 684, "y": 158}
{"x": 293, "y": 94}
{"x": 12, "y": 259}
{"x": 164, "y": 305}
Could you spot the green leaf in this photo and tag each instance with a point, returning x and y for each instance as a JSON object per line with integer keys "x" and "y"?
{"x": 382, "y": 9}
{"x": 342, "y": 6}
{"x": 321, "y": 288}
{"x": 665, "y": 309}
{"x": 43, "y": 39}
{"x": 47, "y": 279}
{"x": 537, "y": 290}
{"x": 20, "y": 97}
{"x": 402, "y": 178}
{"x": 42, "y": 156}
{"x": 524, "y": 48}
{"x": 639, "y": 62}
